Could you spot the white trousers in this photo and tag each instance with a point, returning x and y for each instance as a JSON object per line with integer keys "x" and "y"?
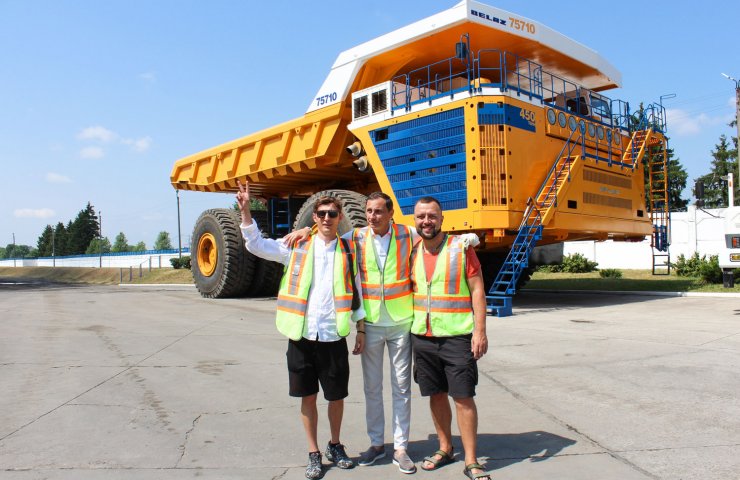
{"x": 398, "y": 340}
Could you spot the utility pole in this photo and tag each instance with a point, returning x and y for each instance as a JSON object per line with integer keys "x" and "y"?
{"x": 179, "y": 236}
{"x": 737, "y": 123}
{"x": 14, "y": 250}
{"x": 53, "y": 248}
{"x": 100, "y": 237}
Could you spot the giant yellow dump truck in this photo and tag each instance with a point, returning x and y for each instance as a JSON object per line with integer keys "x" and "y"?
{"x": 501, "y": 118}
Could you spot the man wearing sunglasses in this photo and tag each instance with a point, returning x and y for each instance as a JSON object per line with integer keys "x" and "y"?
{"x": 314, "y": 312}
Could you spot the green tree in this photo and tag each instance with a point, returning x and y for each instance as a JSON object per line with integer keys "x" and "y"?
{"x": 139, "y": 247}
{"x": 254, "y": 205}
{"x": 17, "y": 251}
{"x": 715, "y": 188}
{"x": 120, "y": 244}
{"x": 98, "y": 245}
{"x": 45, "y": 242}
{"x": 2, "y": 253}
{"x": 677, "y": 178}
{"x": 60, "y": 240}
{"x": 163, "y": 241}
{"x": 82, "y": 230}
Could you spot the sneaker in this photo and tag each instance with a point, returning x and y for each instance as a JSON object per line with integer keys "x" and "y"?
{"x": 404, "y": 462}
{"x": 369, "y": 456}
{"x": 336, "y": 454}
{"x": 314, "y": 469}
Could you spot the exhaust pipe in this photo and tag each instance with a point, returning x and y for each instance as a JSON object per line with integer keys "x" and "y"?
{"x": 355, "y": 149}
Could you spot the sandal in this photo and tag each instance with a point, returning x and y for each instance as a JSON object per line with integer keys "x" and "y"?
{"x": 445, "y": 459}
{"x": 468, "y": 471}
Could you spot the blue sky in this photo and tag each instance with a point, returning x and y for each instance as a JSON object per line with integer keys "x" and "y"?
{"x": 98, "y": 99}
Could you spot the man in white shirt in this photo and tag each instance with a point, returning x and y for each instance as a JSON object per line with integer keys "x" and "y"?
{"x": 314, "y": 312}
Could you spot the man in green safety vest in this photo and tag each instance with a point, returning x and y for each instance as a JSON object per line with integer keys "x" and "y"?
{"x": 448, "y": 333}
{"x": 314, "y": 312}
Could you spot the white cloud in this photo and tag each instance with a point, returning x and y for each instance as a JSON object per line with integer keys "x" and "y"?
{"x": 139, "y": 145}
{"x": 34, "y": 213}
{"x": 52, "y": 177}
{"x": 685, "y": 123}
{"x": 97, "y": 132}
{"x": 92, "y": 152}
{"x": 101, "y": 134}
{"x": 149, "y": 77}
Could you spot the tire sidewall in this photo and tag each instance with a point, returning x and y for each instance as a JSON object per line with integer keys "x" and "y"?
{"x": 208, "y": 285}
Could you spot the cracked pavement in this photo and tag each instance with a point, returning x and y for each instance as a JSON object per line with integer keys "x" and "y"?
{"x": 157, "y": 383}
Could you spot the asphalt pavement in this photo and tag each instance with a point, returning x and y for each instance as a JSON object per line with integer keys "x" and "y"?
{"x": 105, "y": 382}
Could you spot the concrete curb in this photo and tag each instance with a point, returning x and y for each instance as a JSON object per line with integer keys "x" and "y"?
{"x": 185, "y": 285}
{"x": 643, "y": 293}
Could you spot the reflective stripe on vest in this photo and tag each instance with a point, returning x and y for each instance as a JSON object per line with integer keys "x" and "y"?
{"x": 295, "y": 285}
{"x": 446, "y": 299}
{"x": 391, "y": 284}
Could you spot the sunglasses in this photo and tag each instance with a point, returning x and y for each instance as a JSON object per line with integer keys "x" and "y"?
{"x": 324, "y": 213}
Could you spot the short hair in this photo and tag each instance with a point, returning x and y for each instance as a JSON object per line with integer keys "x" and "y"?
{"x": 327, "y": 200}
{"x": 377, "y": 195}
{"x": 429, "y": 200}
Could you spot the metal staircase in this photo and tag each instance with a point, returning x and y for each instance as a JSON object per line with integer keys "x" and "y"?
{"x": 540, "y": 210}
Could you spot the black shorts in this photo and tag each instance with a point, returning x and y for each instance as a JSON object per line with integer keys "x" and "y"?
{"x": 311, "y": 362}
{"x": 445, "y": 365}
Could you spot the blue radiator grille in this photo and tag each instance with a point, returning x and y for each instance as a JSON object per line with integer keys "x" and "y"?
{"x": 425, "y": 156}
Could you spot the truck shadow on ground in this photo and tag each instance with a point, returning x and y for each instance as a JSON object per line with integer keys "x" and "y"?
{"x": 543, "y": 301}
{"x": 35, "y": 284}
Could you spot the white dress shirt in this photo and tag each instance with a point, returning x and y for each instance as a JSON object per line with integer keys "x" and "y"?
{"x": 321, "y": 313}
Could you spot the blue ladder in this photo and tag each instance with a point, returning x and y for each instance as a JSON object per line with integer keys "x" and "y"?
{"x": 498, "y": 299}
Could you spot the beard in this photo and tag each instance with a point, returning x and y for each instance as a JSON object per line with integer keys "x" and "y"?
{"x": 428, "y": 236}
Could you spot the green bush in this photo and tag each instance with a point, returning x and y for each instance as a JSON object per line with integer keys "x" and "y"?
{"x": 695, "y": 266}
{"x": 689, "y": 267}
{"x": 610, "y": 273}
{"x": 577, "y": 263}
{"x": 182, "y": 262}
{"x": 709, "y": 271}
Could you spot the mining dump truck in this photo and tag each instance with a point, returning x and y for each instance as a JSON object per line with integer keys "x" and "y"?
{"x": 499, "y": 117}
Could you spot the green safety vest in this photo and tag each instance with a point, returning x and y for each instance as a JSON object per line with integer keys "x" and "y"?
{"x": 391, "y": 284}
{"x": 292, "y": 299}
{"x": 446, "y": 299}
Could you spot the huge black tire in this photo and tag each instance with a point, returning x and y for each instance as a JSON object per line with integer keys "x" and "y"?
{"x": 354, "y": 210}
{"x": 221, "y": 266}
{"x": 267, "y": 275}
{"x": 491, "y": 263}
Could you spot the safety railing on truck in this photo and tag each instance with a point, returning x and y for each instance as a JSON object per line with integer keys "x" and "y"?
{"x": 652, "y": 117}
{"x": 492, "y": 68}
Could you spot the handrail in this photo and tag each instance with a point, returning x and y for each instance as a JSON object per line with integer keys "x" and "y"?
{"x": 570, "y": 144}
{"x": 652, "y": 117}
{"x": 508, "y": 71}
